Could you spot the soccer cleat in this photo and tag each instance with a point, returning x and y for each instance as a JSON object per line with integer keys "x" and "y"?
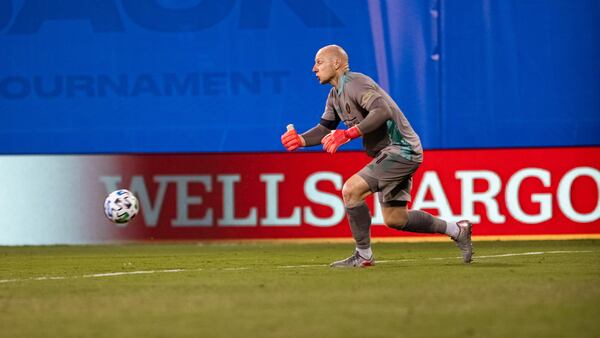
{"x": 354, "y": 261}
{"x": 463, "y": 240}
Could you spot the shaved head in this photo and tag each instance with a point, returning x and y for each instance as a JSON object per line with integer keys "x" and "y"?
{"x": 331, "y": 63}
{"x": 335, "y": 52}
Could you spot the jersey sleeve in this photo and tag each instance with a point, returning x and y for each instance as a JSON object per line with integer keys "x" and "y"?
{"x": 330, "y": 119}
{"x": 329, "y": 114}
{"x": 364, "y": 92}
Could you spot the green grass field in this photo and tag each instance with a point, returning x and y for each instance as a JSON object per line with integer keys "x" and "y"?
{"x": 270, "y": 289}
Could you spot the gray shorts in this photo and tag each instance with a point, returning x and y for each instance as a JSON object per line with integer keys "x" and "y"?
{"x": 390, "y": 174}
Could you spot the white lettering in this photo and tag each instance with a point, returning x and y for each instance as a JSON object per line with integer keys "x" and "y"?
{"x": 229, "y": 204}
{"x": 184, "y": 200}
{"x": 138, "y": 188}
{"x": 544, "y": 200}
{"x": 273, "y": 219}
{"x": 564, "y": 194}
{"x": 331, "y": 200}
{"x": 430, "y": 195}
{"x": 469, "y": 196}
{"x": 431, "y": 182}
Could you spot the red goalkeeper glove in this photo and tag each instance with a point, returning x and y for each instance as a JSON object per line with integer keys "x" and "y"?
{"x": 291, "y": 140}
{"x": 338, "y": 137}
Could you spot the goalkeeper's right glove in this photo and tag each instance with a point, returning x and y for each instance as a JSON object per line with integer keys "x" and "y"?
{"x": 291, "y": 140}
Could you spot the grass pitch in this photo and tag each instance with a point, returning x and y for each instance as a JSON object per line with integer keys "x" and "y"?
{"x": 270, "y": 289}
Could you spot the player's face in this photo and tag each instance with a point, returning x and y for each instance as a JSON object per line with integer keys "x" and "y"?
{"x": 324, "y": 68}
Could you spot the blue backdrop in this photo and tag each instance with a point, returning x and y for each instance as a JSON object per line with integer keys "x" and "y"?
{"x": 85, "y": 76}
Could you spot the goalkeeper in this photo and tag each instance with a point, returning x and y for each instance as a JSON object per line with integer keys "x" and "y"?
{"x": 369, "y": 112}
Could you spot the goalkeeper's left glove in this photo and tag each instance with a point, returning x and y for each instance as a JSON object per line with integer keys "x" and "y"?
{"x": 338, "y": 137}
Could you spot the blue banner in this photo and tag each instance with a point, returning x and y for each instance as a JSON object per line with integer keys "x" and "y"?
{"x": 129, "y": 76}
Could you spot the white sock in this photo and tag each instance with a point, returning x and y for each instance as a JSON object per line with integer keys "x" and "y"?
{"x": 452, "y": 229}
{"x": 365, "y": 253}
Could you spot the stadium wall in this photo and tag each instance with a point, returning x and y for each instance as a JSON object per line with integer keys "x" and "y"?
{"x": 147, "y": 76}
{"x": 58, "y": 199}
{"x": 184, "y": 103}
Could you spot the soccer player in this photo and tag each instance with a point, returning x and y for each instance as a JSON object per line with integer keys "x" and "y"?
{"x": 369, "y": 112}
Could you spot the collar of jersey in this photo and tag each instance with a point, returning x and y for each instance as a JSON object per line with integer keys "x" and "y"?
{"x": 340, "y": 89}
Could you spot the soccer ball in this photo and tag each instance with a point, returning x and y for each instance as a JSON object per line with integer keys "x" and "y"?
{"x": 121, "y": 206}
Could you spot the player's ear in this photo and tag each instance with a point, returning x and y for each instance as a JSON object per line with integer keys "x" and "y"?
{"x": 337, "y": 63}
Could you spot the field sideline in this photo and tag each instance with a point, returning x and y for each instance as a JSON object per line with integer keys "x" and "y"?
{"x": 283, "y": 289}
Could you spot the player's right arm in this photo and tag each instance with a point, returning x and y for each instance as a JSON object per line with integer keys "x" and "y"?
{"x": 329, "y": 121}
{"x": 292, "y": 141}
{"x": 313, "y": 136}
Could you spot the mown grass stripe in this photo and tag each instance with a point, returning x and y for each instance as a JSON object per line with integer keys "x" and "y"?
{"x": 145, "y": 272}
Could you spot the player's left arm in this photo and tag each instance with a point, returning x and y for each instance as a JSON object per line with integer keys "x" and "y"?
{"x": 378, "y": 114}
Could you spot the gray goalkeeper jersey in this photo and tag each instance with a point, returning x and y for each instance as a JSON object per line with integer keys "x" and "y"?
{"x": 353, "y": 102}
